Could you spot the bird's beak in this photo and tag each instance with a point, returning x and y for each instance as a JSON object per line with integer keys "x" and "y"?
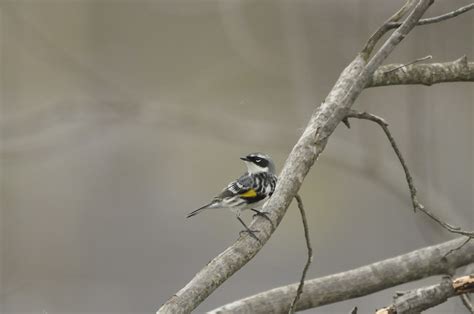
{"x": 244, "y": 158}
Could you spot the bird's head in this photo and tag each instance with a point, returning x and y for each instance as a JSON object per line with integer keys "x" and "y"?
{"x": 258, "y": 162}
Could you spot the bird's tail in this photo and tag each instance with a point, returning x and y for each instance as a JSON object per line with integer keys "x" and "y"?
{"x": 197, "y": 211}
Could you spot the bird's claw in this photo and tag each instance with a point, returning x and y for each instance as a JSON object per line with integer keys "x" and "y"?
{"x": 248, "y": 230}
{"x": 250, "y": 233}
{"x": 262, "y": 214}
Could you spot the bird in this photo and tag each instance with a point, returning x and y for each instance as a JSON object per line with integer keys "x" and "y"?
{"x": 250, "y": 191}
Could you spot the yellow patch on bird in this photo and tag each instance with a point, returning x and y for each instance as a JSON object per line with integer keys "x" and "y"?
{"x": 249, "y": 193}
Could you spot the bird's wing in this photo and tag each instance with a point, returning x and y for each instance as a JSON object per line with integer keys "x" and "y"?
{"x": 243, "y": 187}
{"x": 239, "y": 187}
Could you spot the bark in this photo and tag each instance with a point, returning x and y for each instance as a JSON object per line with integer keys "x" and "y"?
{"x": 426, "y": 74}
{"x": 418, "y": 300}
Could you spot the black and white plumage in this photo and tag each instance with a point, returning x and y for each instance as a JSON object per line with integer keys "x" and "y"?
{"x": 250, "y": 191}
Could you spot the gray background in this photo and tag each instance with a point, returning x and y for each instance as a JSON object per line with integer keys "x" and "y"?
{"x": 119, "y": 117}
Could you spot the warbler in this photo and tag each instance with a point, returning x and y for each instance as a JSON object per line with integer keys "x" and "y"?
{"x": 250, "y": 191}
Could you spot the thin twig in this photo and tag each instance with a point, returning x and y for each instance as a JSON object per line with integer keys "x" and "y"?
{"x": 409, "y": 63}
{"x": 459, "y": 247}
{"x": 310, "y": 254}
{"x": 416, "y": 204}
{"x": 439, "y": 18}
{"x": 466, "y": 300}
{"x": 384, "y": 125}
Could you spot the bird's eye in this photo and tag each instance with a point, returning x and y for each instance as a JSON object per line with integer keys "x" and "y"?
{"x": 258, "y": 160}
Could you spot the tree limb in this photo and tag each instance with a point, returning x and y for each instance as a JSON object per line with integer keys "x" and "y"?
{"x": 310, "y": 145}
{"x": 426, "y": 74}
{"x": 422, "y": 263}
{"x": 418, "y": 300}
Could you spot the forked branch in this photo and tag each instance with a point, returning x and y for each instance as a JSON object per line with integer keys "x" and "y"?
{"x": 440, "y": 18}
{"x": 382, "y": 30}
{"x": 393, "y": 22}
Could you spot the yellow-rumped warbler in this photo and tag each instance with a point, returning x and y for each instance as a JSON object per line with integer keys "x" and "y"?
{"x": 250, "y": 191}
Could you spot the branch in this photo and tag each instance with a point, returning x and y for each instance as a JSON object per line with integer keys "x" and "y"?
{"x": 466, "y": 300}
{"x": 310, "y": 145}
{"x": 359, "y": 282}
{"x": 382, "y": 30}
{"x": 439, "y": 18}
{"x": 384, "y": 125}
{"x": 426, "y": 74}
{"x": 393, "y": 22}
{"x": 418, "y": 300}
{"x": 310, "y": 254}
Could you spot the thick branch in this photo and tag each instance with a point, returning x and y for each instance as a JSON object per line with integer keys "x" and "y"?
{"x": 418, "y": 300}
{"x": 310, "y": 145}
{"x": 426, "y": 74}
{"x": 358, "y": 282}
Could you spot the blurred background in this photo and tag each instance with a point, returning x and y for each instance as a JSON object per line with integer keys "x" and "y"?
{"x": 120, "y": 117}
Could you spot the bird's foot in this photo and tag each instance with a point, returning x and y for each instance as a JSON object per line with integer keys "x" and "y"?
{"x": 262, "y": 214}
{"x": 248, "y": 230}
